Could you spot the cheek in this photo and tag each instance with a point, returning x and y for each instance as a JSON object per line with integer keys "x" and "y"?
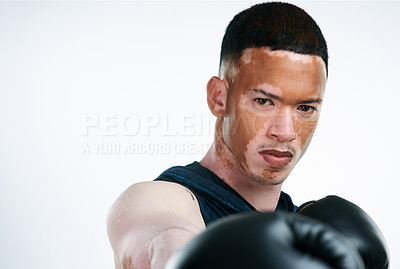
{"x": 305, "y": 131}
{"x": 244, "y": 128}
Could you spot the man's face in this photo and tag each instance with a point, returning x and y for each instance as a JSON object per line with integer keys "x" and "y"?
{"x": 273, "y": 105}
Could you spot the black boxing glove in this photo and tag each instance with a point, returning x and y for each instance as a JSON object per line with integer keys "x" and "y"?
{"x": 266, "y": 241}
{"x": 352, "y": 222}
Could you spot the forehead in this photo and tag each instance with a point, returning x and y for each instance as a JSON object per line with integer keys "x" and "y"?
{"x": 283, "y": 70}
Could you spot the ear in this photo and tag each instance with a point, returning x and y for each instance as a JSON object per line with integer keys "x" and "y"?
{"x": 216, "y": 96}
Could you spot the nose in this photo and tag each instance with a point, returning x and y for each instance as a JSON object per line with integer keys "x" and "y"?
{"x": 282, "y": 127}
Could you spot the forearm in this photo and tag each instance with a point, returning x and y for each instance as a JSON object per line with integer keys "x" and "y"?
{"x": 151, "y": 246}
{"x": 166, "y": 243}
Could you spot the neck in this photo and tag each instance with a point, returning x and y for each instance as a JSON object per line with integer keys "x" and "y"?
{"x": 220, "y": 160}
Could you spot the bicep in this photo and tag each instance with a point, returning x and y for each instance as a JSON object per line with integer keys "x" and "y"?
{"x": 149, "y": 212}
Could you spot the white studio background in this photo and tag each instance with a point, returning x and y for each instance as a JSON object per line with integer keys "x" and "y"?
{"x": 96, "y": 96}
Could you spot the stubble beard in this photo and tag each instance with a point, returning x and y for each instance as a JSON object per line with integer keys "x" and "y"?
{"x": 272, "y": 179}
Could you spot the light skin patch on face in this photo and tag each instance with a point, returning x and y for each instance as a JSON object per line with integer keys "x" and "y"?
{"x": 228, "y": 71}
{"x": 292, "y": 55}
{"x": 246, "y": 127}
{"x": 247, "y": 54}
{"x": 259, "y": 124}
{"x": 229, "y": 164}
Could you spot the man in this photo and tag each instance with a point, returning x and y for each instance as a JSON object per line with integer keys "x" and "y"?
{"x": 267, "y": 101}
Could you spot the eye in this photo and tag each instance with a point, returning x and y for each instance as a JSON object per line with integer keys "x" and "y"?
{"x": 307, "y": 109}
{"x": 263, "y": 101}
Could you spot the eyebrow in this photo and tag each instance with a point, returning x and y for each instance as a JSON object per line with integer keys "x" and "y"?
{"x": 267, "y": 94}
{"x": 276, "y": 97}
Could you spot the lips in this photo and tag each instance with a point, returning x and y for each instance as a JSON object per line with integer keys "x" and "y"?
{"x": 277, "y": 158}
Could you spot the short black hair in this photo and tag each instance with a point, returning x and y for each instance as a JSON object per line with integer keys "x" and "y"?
{"x": 277, "y": 25}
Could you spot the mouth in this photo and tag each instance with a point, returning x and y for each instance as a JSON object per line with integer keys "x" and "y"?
{"x": 277, "y": 158}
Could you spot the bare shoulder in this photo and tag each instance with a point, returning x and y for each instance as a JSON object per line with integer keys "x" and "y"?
{"x": 156, "y": 196}
{"x": 158, "y": 191}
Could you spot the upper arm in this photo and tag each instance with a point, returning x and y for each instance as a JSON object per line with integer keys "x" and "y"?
{"x": 147, "y": 210}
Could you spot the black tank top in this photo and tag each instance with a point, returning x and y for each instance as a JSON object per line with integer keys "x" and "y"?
{"x": 216, "y": 198}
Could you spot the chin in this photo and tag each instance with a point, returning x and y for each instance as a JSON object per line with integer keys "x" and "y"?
{"x": 267, "y": 177}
